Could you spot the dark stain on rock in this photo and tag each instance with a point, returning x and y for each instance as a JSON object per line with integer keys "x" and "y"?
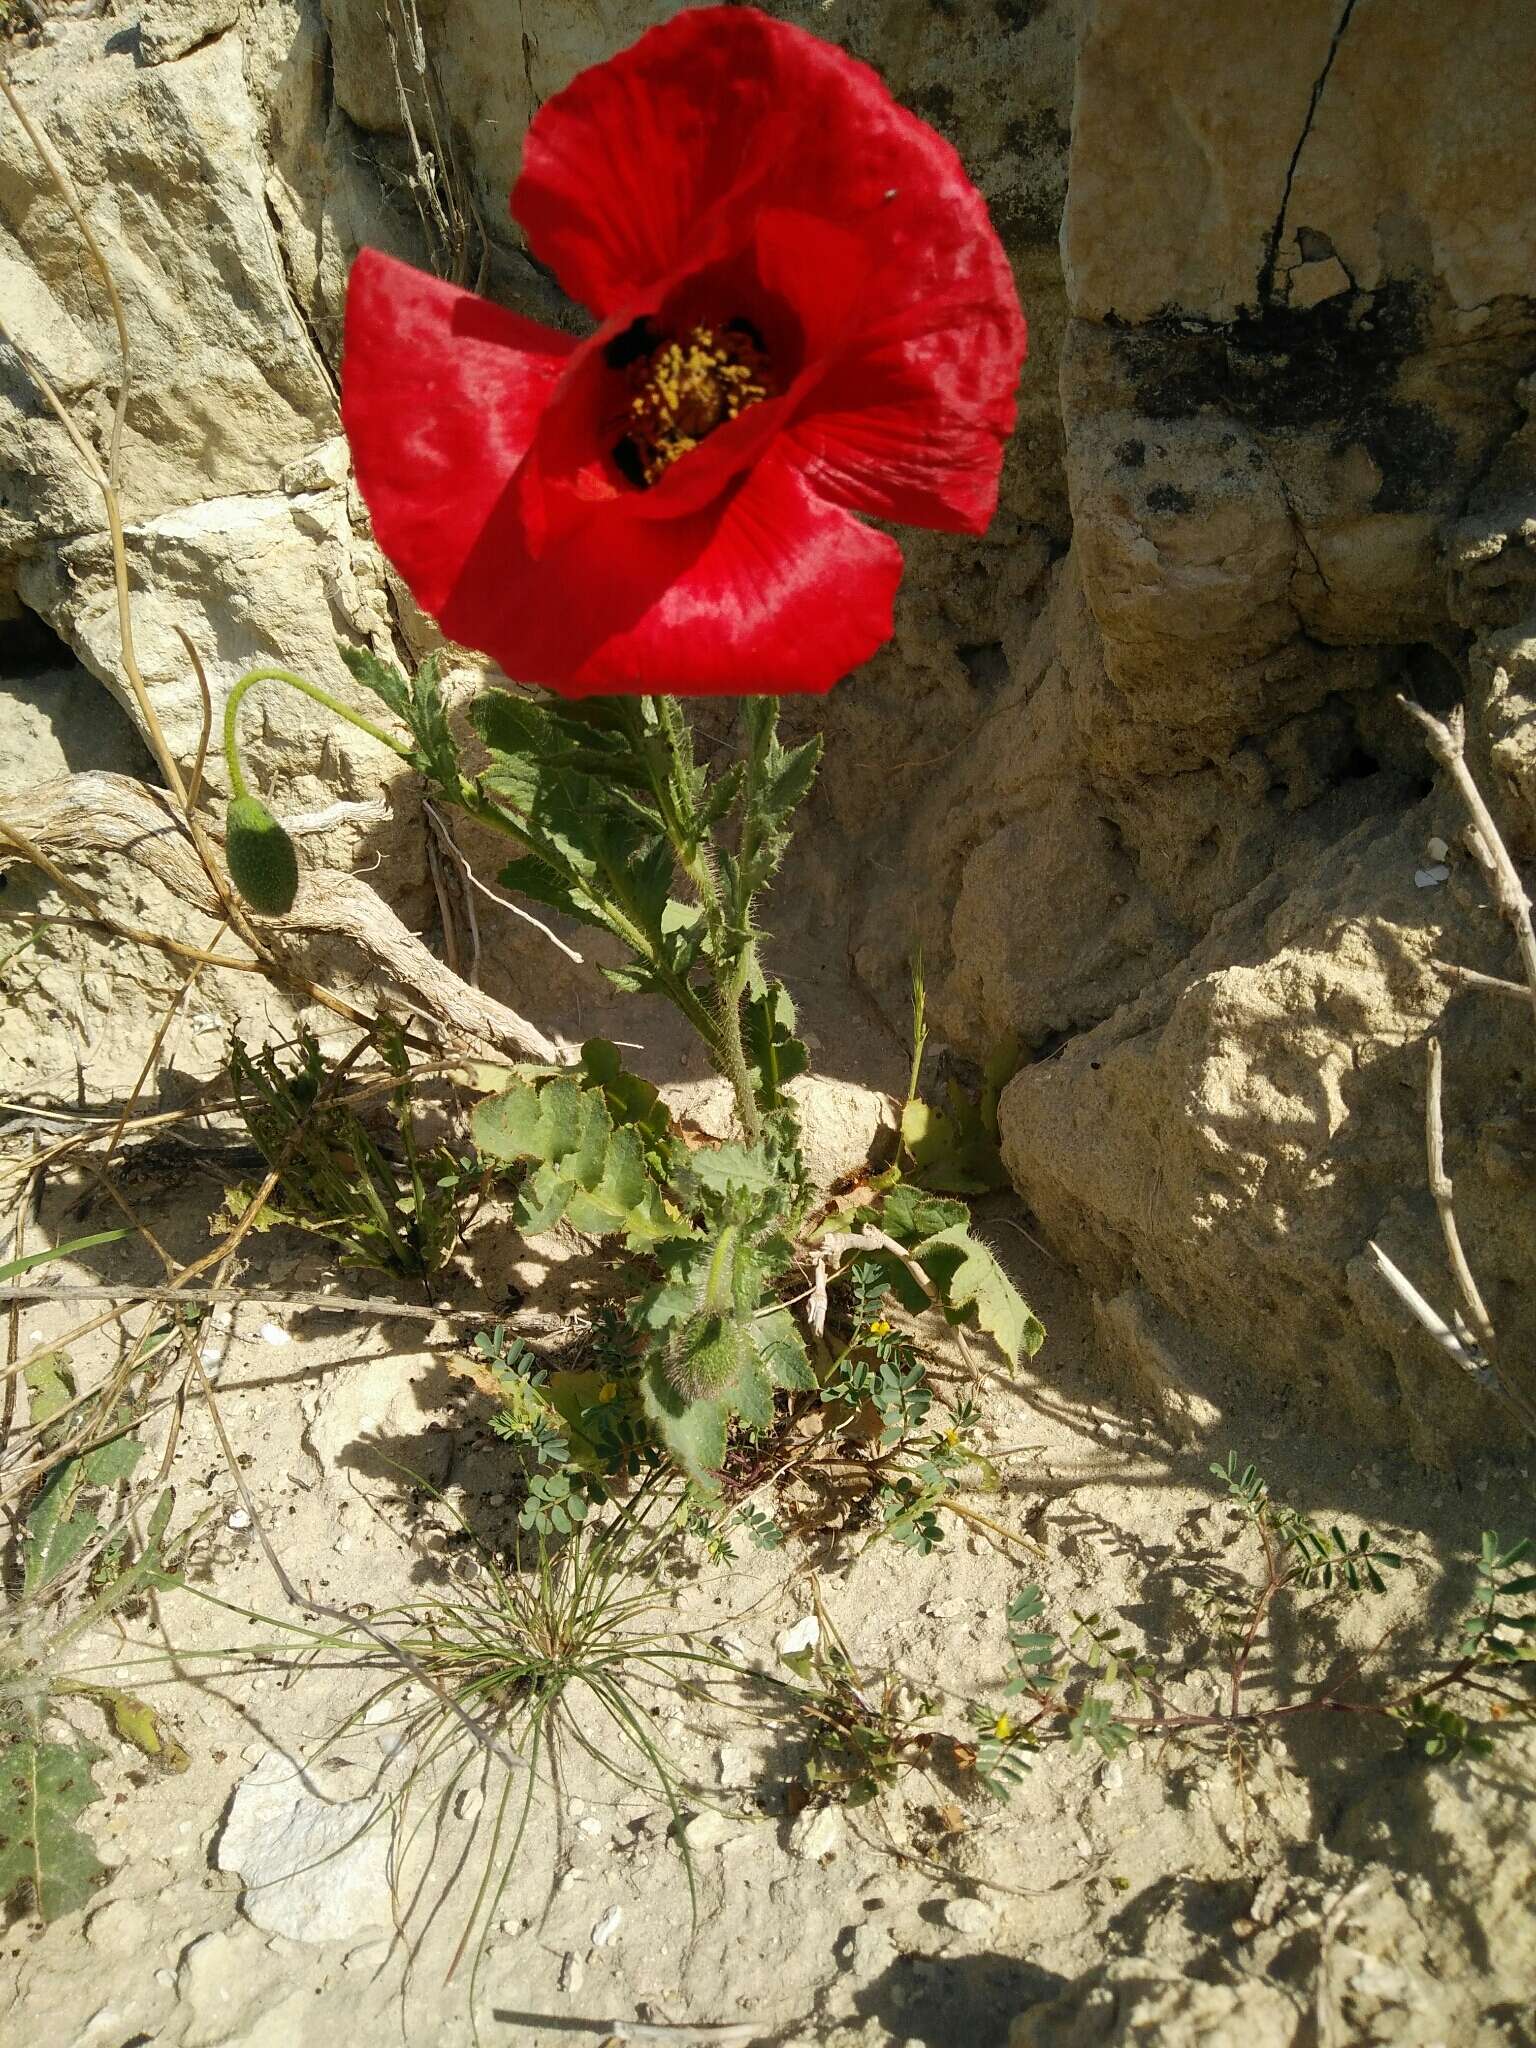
{"x": 1131, "y": 454}
{"x": 936, "y": 104}
{"x": 1334, "y": 366}
{"x": 1168, "y": 498}
{"x": 1031, "y": 212}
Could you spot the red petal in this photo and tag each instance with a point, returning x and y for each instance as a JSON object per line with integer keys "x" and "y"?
{"x": 441, "y": 395}
{"x": 673, "y": 154}
{"x": 912, "y": 427}
{"x": 769, "y": 591}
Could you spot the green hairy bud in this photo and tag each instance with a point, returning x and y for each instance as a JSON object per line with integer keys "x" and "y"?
{"x": 263, "y": 860}
{"x": 708, "y": 1358}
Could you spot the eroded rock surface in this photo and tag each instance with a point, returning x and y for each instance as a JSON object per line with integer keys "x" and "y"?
{"x": 1132, "y": 768}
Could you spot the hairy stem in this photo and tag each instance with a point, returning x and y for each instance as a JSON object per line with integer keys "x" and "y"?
{"x": 306, "y": 689}
{"x": 731, "y": 959}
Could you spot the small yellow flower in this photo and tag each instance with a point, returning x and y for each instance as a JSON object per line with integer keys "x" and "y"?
{"x": 609, "y": 1391}
{"x": 880, "y": 1328}
{"x": 1002, "y": 1727}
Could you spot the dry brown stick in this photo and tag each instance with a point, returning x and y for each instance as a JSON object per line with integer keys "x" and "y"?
{"x": 1468, "y": 977}
{"x": 96, "y": 813}
{"x": 385, "y": 1308}
{"x": 1447, "y": 742}
{"x": 1440, "y": 1188}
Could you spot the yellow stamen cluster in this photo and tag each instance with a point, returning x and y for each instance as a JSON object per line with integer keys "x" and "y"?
{"x": 684, "y": 389}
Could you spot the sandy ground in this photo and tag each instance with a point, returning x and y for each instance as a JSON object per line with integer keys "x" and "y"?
{"x": 1324, "y": 1889}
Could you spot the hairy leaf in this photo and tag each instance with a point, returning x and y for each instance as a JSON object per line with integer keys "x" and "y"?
{"x": 592, "y": 1175}
{"x": 44, "y": 1858}
{"x": 972, "y": 1282}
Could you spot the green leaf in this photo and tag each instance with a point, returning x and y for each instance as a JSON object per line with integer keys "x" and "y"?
{"x": 44, "y": 1858}
{"x": 774, "y": 1053}
{"x": 13, "y": 1267}
{"x": 908, "y": 1215}
{"x": 722, "y": 1168}
{"x": 594, "y": 1176}
{"x": 136, "y": 1723}
{"x": 49, "y": 1386}
{"x": 692, "y": 1432}
{"x": 56, "y": 1532}
{"x": 970, "y": 1282}
{"x": 783, "y": 1351}
{"x": 386, "y": 681}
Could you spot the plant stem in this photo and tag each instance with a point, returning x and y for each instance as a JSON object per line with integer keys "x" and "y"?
{"x": 731, "y": 959}
{"x": 306, "y": 689}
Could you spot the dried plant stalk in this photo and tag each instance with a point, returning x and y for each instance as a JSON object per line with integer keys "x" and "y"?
{"x": 87, "y": 816}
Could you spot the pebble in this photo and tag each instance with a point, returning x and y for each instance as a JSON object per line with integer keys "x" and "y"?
{"x": 709, "y": 1830}
{"x": 804, "y": 1635}
{"x": 970, "y": 1916}
{"x": 607, "y": 1927}
{"x": 867, "y": 1949}
{"x": 274, "y": 1333}
{"x": 1436, "y": 849}
{"x": 735, "y": 1766}
{"x": 1431, "y": 877}
{"x": 817, "y": 1833}
{"x": 237, "y": 1518}
{"x": 573, "y": 1972}
{"x": 589, "y": 1824}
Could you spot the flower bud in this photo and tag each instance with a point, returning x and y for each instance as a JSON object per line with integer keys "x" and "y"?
{"x": 263, "y": 861}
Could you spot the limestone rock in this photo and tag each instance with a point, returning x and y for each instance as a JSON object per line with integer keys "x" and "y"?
{"x": 315, "y": 1867}
{"x": 842, "y": 1126}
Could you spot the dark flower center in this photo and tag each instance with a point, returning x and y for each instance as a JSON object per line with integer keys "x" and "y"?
{"x": 681, "y": 388}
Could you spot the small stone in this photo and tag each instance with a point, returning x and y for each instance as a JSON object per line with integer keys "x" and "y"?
{"x": 237, "y": 1518}
{"x": 735, "y": 1767}
{"x": 804, "y": 1635}
{"x": 608, "y": 1927}
{"x": 1437, "y": 849}
{"x": 817, "y": 1834}
{"x": 314, "y": 1868}
{"x": 867, "y": 1949}
{"x": 1112, "y": 1778}
{"x": 468, "y": 1803}
{"x": 589, "y": 1824}
{"x": 970, "y": 1916}
{"x": 708, "y": 1830}
{"x": 1431, "y": 877}
{"x": 573, "y": 1972}
{"x": 274, "y": 1333}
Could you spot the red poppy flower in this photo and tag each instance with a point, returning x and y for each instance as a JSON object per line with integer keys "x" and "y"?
{"x": 804, "y": 314}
